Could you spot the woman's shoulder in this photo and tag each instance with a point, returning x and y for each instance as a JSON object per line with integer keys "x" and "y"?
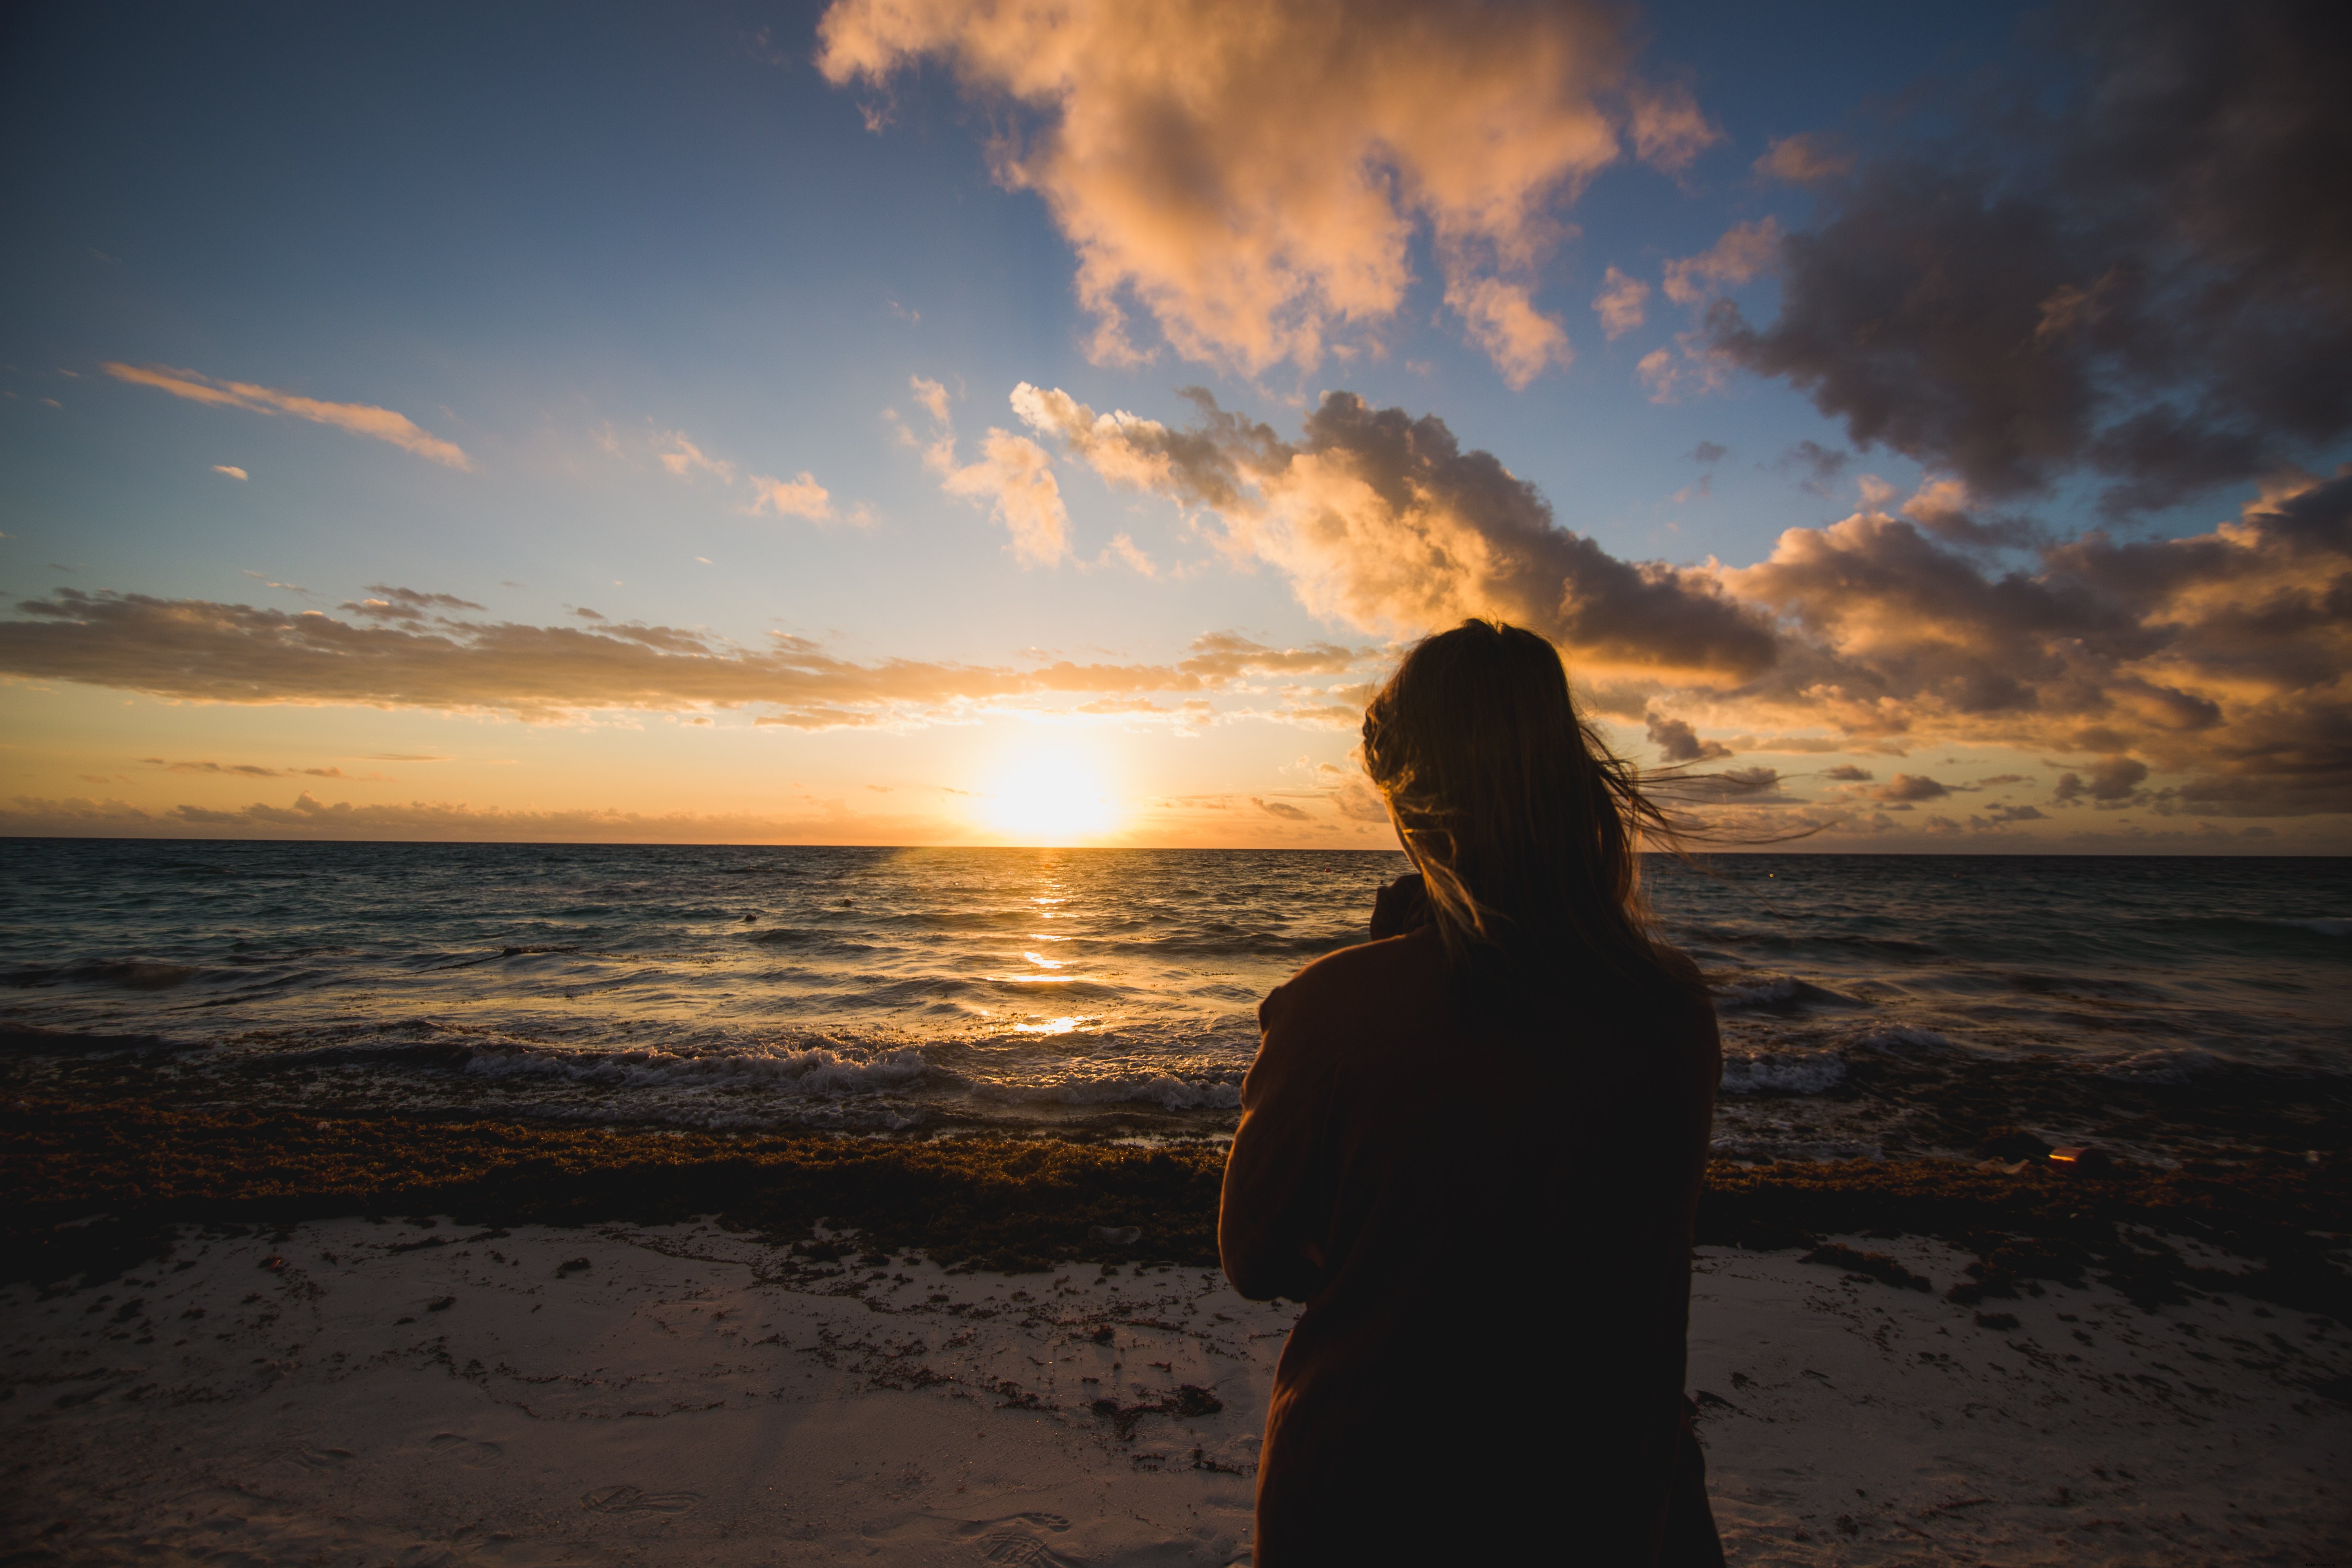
{"x": 1372, "y": 979}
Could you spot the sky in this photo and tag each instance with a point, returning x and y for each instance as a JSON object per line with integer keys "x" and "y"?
{"x": 979, "y": 422}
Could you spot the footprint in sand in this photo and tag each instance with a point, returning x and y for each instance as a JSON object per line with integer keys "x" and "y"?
{"x": 470, "y": 1450}
{"x": 1009, "y": 1541}
{"x": 636, "y": 1500}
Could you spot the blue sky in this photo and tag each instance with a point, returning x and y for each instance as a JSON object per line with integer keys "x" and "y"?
{"x": 570, "y": 243}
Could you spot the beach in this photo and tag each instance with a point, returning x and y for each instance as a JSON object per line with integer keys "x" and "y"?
{"x": 348, "y": 1391}
{"x": 419, "y": 1203}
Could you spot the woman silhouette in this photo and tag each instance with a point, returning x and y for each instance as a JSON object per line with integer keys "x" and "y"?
{"x": 1471, "y": 1147}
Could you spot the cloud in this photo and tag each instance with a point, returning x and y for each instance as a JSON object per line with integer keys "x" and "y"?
{"x": 1744, "y": 251}
{"x": 359, "y": 418}
{"x": 308, "y": 816}
{"x": 202, "y": 651}
{"x": 1382, "y": 522}
{"x": 2219, "y": 658}
{"x": 1709, "y": 452}
{"x": 1668, "y": 129}
{"x": 1253, "y": 176}
{"x": 1804, "y": 160}
{"x": 2222, "y": 656}
{"x": 1822, "y": 465}
{"x": 2111, "y": 779}
{"x": 1847, "y": 773}
{"x": 401, "y": 604}
{"x": 249, "y": 769}
{"x": 1912, "y": 787}
{"x": 2146, "y": 279}
{"x": 1015, "y": 476}
{"x": 802, "y": 496}
{"x": 231, "y": 470}
{"x": 1622, "y": 303}
{"x": 684, "y": 459}
{"x": 1503, "y": 319}
{"x": 1283, "y": 809}
{"x": 1678, "y": 742}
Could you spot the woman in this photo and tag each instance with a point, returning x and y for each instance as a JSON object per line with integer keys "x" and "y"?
{"x": 1473, "y": 1148}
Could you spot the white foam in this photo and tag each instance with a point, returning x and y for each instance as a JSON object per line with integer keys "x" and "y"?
{"x": 1781, "y": 1075}
{"x": 1901, "y": 1038}
{"x": 2165, "y": 1066}
{"x": 1163, "y": 1090}
{"x": 817, "y": 1071}
{"x": 2325, "y": 925}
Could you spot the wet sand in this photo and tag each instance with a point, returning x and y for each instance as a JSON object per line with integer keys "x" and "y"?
{"x": 349, "y": 1391}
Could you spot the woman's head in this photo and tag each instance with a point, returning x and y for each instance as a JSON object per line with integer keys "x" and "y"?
{"x": 1526, "y": 829}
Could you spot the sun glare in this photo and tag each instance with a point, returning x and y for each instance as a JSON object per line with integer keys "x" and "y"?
{"x": 1050, "y": 795}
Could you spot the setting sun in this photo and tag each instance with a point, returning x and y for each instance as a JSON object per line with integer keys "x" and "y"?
{"x": 1050, "y": 795}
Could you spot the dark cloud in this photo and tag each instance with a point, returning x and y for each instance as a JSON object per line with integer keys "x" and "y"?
{"x": 1678, "y": 742}
{"x": 1820, "y": 465}
{"x": 1709, "y": 452}
{"x": 1846, "y": 772}
{"x": 2152, "y": 281}
{"x": 1282, "y": 809}
{"x": 1912, "y": 787}
{"x": 2111, "y": 779}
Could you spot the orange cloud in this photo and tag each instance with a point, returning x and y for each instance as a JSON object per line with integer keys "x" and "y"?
{"x": 1252, "y": 174}
{"x": 802, "y": 496}
{"x": 1015, "y": 476}
{"x": 1622, "y": 303}
{"x": 359, "y": 418}
{"x": 1382, "y": 522}
{"x": 1744, "y": 250}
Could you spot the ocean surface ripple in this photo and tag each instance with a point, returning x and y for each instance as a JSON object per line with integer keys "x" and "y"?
{"x": 1871, "y": 1005}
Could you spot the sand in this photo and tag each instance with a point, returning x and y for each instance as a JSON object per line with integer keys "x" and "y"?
{"x": 339, "y": 1393}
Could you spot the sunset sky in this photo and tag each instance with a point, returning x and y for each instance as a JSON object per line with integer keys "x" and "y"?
{"x": 938, "y": 421}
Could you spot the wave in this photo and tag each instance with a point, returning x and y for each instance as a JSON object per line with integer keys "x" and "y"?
{"x": 2325, "y": 925}
{"x": 814, "y": 1072}
{"x": 123, "y": 975}
{"x": 1780, "y": 993}
{"x": 1164, "y": 1090}
{"x": 1767, "y": 1074}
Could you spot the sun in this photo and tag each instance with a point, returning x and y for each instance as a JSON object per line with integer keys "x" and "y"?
{"x": 1050, "y": 795}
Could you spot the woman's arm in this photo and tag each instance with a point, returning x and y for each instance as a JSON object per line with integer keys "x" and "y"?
{"x": 1268, "y": 1226}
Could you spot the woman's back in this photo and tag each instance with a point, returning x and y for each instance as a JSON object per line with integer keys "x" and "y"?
{"x": 1488, "y": 1214}
{"x": 1474, "y": 1150}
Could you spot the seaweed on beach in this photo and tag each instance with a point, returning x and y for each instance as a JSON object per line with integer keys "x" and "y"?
{"x": 103, "y": 1184}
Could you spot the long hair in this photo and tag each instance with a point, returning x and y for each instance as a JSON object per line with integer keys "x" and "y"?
{"x": 1526, "y": 829}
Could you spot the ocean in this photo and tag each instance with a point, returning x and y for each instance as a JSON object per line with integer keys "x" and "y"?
{"x": 1872, "y": 1005}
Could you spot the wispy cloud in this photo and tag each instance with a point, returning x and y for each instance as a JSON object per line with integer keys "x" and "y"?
{"x": 231, "y": 470}
{"x": 683, "y": 459}
{"x": 204, "y": 651}
{"x": 359, "y": 418}
{"x": 1744, "y": 251}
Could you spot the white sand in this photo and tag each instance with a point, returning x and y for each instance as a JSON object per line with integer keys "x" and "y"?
{"x": 694, "y": 1397}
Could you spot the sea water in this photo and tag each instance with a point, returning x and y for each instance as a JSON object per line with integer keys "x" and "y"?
{"x": 1871, "y": 1005}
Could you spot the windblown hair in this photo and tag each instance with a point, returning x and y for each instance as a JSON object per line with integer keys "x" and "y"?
{"x": 1526, "y": 829}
